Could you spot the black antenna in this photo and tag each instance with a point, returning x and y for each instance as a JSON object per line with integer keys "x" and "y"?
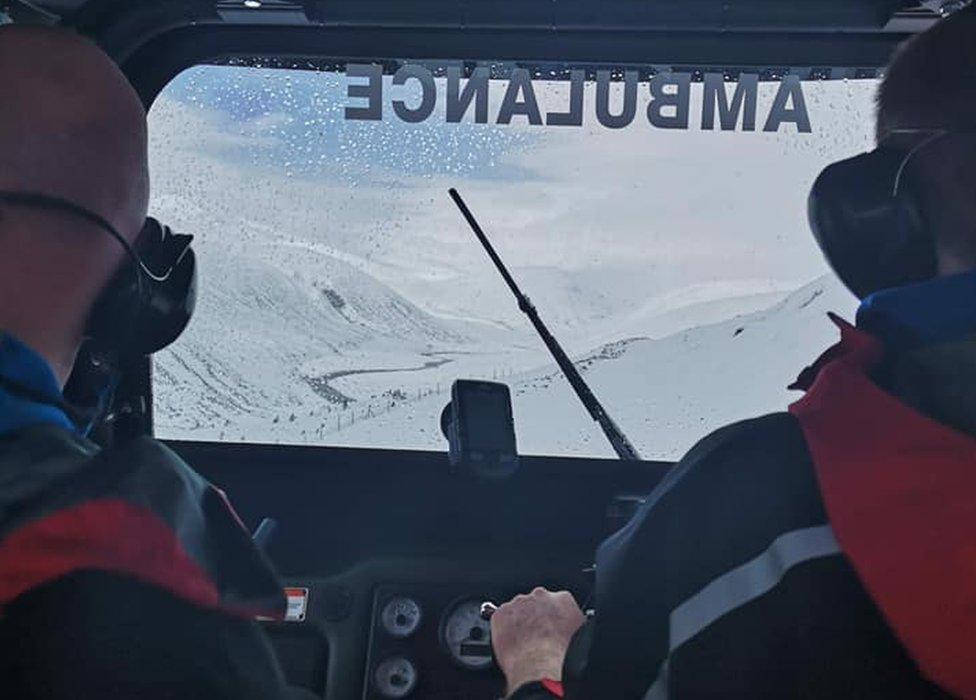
{"x": 621, "y": 445}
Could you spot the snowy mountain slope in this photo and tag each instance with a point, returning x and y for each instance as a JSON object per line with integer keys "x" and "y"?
{"x": 585, "y": 306}
{"x": 667, "y": 392}
{"x": 294, "y": 343}
{"x": 270, "y": 325}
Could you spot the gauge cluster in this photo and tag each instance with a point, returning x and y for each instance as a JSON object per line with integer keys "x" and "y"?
{"x": 430, "y": 642}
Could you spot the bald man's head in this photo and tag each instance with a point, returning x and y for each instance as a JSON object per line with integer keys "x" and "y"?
{"x": 931, "y": 85}
{"x": 72, "y": 127}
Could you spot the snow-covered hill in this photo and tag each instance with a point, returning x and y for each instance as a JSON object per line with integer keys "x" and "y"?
{"x": 664, "y": 393}
{"x": 341, "y": 359}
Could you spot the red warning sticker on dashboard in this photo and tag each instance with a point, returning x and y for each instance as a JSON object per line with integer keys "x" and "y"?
{"x": 297, "y": 604}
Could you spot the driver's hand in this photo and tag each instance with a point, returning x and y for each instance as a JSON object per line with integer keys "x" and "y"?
{"x": 531, "y": 634}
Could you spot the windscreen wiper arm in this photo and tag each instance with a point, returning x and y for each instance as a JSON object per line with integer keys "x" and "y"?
{"x": 621, "y": 445}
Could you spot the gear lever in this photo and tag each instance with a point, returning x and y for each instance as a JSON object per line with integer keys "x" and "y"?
{"x": 487, "y": 610}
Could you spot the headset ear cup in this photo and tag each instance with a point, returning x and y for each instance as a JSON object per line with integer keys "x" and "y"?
{"x": 137, "y": 316}
{"x": 873, "y": 237}
{"x": 114, "y": 317}
{"x": 170, "y": 306}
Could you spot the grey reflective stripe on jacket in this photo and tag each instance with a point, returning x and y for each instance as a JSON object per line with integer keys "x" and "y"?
{"x": 740, "y": 586}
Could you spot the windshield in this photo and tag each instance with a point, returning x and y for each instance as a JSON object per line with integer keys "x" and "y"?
{"x": 342, "y": 293}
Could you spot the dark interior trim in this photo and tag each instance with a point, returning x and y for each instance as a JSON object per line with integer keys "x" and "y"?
{"x": 310, "y": 457}
{"x": 418, "y": 490}
{"x": 154, "y": 64}
{"x": 301, "y": 458}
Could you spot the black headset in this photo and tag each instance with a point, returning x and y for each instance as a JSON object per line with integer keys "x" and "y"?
{"x": 150, "y": 300}
{"x": 867, "y": 216}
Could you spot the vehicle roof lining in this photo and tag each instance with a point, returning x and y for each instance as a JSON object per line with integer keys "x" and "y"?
{"x": 816, "y": 57}
{"x": 125, "y": 26}
{"x": 716, "y": 15}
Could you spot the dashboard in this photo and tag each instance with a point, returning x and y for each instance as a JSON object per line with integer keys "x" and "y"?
{"x": 388, "y": 556}
{"x": 369, "y": 636}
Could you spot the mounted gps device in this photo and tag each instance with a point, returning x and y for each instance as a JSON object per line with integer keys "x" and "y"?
{"x": 480, "y": 428}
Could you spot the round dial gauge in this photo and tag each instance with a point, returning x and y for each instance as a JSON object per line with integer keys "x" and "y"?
{"x": 467, "y": 636}
{"x": 400, "y": 617}
{"x": 395, "y": 677}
